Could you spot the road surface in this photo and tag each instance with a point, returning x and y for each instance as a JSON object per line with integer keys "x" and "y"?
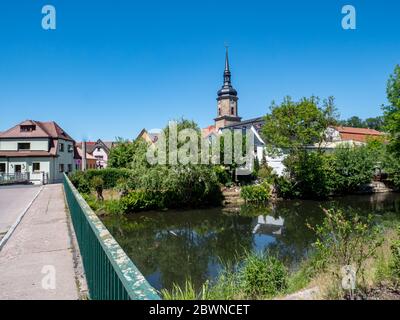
{"x": 13, "y": 201}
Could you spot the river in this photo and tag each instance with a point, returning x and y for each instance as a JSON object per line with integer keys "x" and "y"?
{"x": 172, "y": 246}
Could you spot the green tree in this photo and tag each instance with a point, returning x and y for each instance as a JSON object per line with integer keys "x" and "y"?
{"x": 392, "y": 111}
{"x": 128, "y": 154}
{"x": 294, "y": 125}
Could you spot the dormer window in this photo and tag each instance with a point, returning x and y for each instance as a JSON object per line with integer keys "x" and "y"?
{"x": 27, "y": 128}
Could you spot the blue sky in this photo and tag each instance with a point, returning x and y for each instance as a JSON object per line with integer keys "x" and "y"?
{"x": 113, "y": 67}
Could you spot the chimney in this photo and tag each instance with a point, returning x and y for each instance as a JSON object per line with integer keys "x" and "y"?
{"x": 84, "y": 161}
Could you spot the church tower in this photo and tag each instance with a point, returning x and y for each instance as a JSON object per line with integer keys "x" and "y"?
{"x": 227, "y": 101}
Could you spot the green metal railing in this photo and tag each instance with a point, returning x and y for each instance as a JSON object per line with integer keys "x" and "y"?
{"x": 110, "y": 274}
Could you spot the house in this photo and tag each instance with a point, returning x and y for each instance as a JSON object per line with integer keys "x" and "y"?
{"x": 100, "y": 150}
{"x": 43, "y": 150}
{"x": 90, "y": 163}
{"x": 148, "y": 136}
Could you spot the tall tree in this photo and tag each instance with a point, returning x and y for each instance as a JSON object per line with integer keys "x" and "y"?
{"x": 392, "y": 111}
{"x": 294, "y": 125}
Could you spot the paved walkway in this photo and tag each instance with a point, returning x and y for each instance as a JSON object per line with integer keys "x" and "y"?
{"x": 37, "y": 261}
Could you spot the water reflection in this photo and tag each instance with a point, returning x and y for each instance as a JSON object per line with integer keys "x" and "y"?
{"x": 169, "y": 247}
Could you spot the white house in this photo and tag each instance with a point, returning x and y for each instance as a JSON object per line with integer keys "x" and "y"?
{"x": 43, "y": 150}
{"x": 100, "y": 150}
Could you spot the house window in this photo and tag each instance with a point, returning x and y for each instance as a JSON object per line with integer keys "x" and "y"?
{"x": 70, "y": 148}
{"x": 24, "y": 146}
{"x": 98, "y": 149}
{"x": 61, "y": 147}
{"x": 99, "y": 157}
{"x": 2, "y": 167}
{"x": 36, "y": 167}
{"x": 70, "y": 168}
{"x": 61, "y": 167}
{"x": 232, "y": 110}
{"x": 219, "y": 111}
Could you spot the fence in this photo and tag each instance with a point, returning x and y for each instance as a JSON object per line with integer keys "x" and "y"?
{"x": 110, "y": 274}
{"x": 11, "y": 178}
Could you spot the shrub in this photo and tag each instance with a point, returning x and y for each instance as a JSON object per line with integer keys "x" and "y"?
{"x": 263, "y": 275}
{"x": 80, "y": 182}
{"x": 256, "y": 193}
{"x": 346, "y": 240}
{"x": 312, "y": 173}
{"x": 114, "y": 207}
{"x": 110, "y": 176}
{"x": 395, "y": 250}
{"x": 354, "y": 166}
{"x": 140, "y": 200}
{"x": 392, "y": 168}
{"x": 223, "y": 175}
{"x": 286, "y": 188}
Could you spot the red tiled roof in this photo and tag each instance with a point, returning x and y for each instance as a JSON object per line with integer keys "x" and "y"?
{"x": 357, "y": 134}
{"x": 43, "y": 130}
{"x": 364, "y": 131}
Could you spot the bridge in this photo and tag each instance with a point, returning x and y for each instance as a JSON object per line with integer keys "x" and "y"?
{"x": 53, "y": 246}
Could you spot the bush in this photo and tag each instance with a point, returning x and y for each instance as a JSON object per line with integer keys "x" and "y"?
{"x": 256, "y": 193}
{"x": 111, "y": 177}
{"x": 354, "y": 166}
{"x": 263, "y": 275}
{"x": 395, "y": 250}
{"x": 223, "y": 175}
{"x": 392, "y": 168}
{"x": 312, "y": 174}
{"x": 286, "y": 188}
{"x": 80, "y": 182}
{"x": 345, "y": 240}
{"x": 141, "y": 200}
{"x": 114, "y": 207}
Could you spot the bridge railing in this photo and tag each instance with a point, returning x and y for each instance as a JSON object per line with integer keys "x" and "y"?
{"x": 110, "y": 273}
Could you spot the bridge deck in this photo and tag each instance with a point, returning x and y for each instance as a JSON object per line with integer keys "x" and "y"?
{"x": 37, "y": 261}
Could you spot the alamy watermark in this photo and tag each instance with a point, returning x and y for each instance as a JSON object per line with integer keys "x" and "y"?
{"x": 186, "y": 146}
{"x": 49, "y": 20}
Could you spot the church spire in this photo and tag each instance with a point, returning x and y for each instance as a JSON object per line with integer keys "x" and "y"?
{"x": 227, "y": 89}
{"x": 227, "y": 72}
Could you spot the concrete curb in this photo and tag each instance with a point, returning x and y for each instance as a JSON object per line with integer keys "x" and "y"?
{"x": 17, "y": 222}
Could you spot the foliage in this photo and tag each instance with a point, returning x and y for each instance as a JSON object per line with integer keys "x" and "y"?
{"x": 286, "y": 188}
{"x": 353, "y": 166}
{"x": 392, "y": 168}
{"x": 263, "y": 275}
{"x": 392, "y": 111}
{"x": 223, "y": 175}
{"x": 187, "y": 293}
{"x": 376, "y": 123}
{"x": 129, "y": 155}
{"x": 395, "y": 250}
{"x": 312, "y": 172}
{"x": 294, "y": 125}
{"x": 110, "y": 177}
{"x": 346, "y": 240}
{"x": 80, "y": 182}
{"x": 256, "y": 193}
{"x": 179, "y": 186}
